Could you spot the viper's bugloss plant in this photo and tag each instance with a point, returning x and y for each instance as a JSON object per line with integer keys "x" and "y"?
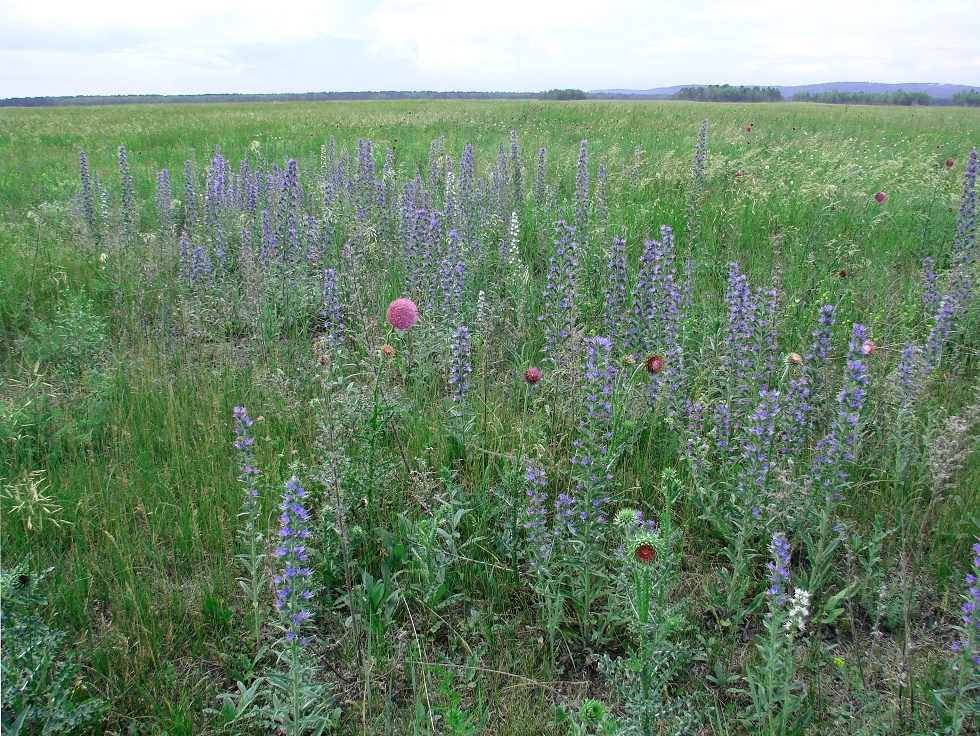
{"x": 778, "y": 702}
{"x": 958, "y": 704}
{"x": 250, "y": 530}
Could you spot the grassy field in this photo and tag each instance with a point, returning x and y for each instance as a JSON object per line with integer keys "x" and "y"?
{"x": 120, "y": 373}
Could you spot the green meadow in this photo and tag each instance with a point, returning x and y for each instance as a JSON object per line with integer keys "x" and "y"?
{"x": 121, "y": 502}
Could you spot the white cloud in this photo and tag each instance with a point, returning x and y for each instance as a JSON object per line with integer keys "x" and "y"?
{"x": 110, "y": 46}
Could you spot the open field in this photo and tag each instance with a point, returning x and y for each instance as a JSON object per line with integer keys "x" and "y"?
{"x": 476, "y": 565}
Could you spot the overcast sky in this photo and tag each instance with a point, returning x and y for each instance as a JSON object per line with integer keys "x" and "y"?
{"x": 67, "y": 47}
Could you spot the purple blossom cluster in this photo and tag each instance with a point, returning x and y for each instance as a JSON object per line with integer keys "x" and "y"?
{"x": 537, "y": 526}
{"x": 559, "y": 293}
{"x": 760, "y": 440}
{"x": 778, "y": 568}
{"x": 695, "y": 186}
{"x": 127, "y": 195}
{"x": 547, "y": 533}
{"x": 616, "y": 309}
{"x": 163, "y": 201}
{"x": 243, "y": 444}
{"x": 592, "y": 454}
{"x": 748, "y": 357}
{"x": 85, "y": 195}
{"x": 838, "y": 445}
{"x": 971, "y": 612}
{"x": 292, "y": 582}
{"x": 540, "y": 194}
{"x": 657, "y": 307}
{"x": 581, "y": 203}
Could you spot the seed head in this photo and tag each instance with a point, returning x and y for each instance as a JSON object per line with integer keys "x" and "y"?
{"x": 654, "y": 364}
{"x": 795, "y": 358}
{"x": 387, "y": 350}
{"x": 842, "y": 273}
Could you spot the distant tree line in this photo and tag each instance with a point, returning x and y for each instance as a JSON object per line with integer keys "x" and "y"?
{"x": 898, "y": 97}
{"x": 967, "y": 99}
{"x": 286, "y": 97}
{"x": 727, "y": 93}
{"x": 563, "y": 94}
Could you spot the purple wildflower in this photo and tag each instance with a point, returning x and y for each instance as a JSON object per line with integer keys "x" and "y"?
{"x": 778, "y": 570}
{"x": 559, "y": 293}
{"x": 292, "y": 583}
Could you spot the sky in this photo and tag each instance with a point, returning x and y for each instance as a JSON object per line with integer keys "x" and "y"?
{"x": 87, "y": 47}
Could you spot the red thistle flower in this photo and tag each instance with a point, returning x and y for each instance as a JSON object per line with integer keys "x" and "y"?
{"x": 645, "y": 553}
{"x": 880, "y": 197}
{"x": 654, "y": 364}
{"x": 842, "y": 273}
{"x": 387, "y": 350}
{"x": 949, "y": 162}
{"x": 738, "y": 174}
{"x": 532, "y": 375}
{"x": 748, "y": 128}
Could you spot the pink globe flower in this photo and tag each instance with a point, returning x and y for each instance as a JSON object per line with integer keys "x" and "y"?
{"x": 880, "y": 197}
{"x": 532, "y": 375}
{"x": 949, "y": 162}
{"x": 738, "y": 174}
{"x": 748, "y": 128}
{"x": 402, "y": 314}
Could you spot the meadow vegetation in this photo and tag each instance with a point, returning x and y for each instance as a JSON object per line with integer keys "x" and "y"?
{"x": 675, "y": 434}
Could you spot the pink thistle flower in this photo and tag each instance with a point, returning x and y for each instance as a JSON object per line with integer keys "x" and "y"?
{"x": 748, "y": 128}
{"x": 738, "y": 174}
{"x": 387, "y": 350}
{"x": 880, "y": 197}
{"x": 949, "y": 162}
{"x": 532, "y": 375}
{"x": 402, "y": 314}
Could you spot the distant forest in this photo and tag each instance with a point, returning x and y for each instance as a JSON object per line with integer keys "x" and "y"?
{"x": 898, "y": 97}
{"x": 727, "y": 93}
{"x": 286, "y": 97}
{"x": 710, "y": 93}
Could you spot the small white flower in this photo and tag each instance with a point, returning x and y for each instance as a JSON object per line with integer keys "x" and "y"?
{"x": 798, "y": 611}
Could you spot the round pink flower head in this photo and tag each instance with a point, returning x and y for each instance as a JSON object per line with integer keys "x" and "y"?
{"x": 949, "y": 162}
{"x": 402, "y": 314}
{"x": 880, "y": 197}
